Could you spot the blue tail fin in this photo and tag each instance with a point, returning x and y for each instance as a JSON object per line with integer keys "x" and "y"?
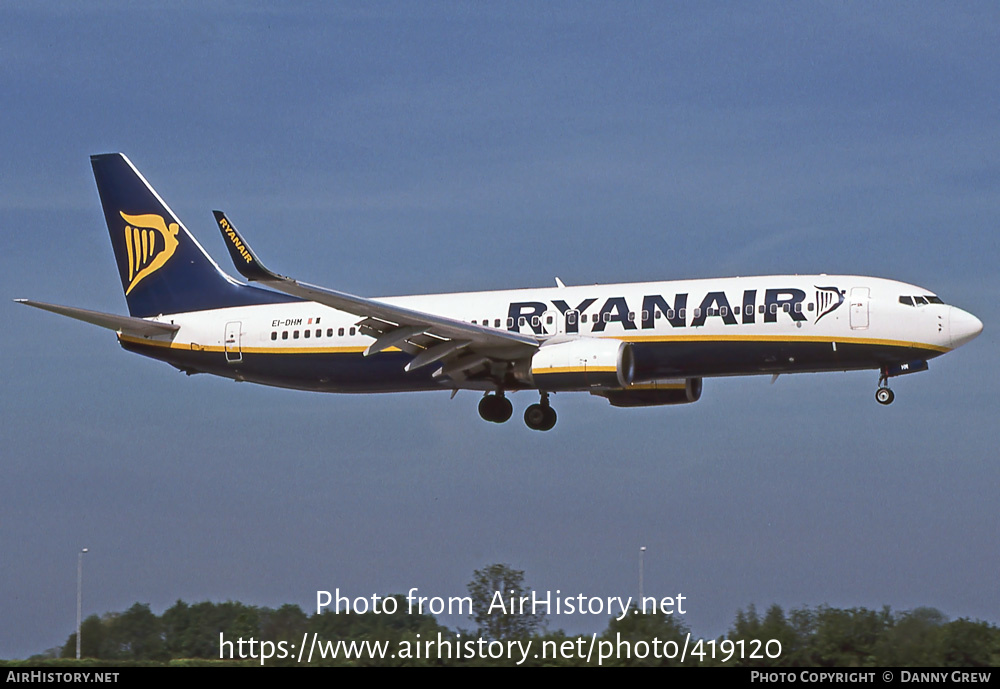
{"x": 163, "y": 269}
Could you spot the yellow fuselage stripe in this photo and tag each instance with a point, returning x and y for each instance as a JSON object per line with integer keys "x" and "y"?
{"x": 633, "y": 339}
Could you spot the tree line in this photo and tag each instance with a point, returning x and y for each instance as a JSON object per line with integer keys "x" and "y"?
{"x": 809, "y": 636}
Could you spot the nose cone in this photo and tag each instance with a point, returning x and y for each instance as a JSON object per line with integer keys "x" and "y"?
{"x": 964, "y": 326}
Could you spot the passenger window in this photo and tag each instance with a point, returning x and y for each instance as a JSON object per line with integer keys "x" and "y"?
{"x": 496, "y": 323}
{"x": 295, "y": 334}
{"x": 522, "y": 320}
{"x": 548, "y": 321}
{"x": 307, "y": 333}
{"x": 681, "y": 313}
{"x": 774, "y": 308}
{"x": 798, "y": 307}
{"x": 723, "y": 311}
{"x": 284, "y": 334}
{"x": 763, "y": 309}
{"x": 697, "y": 312}
{"x": 352, "y": 332}
{"x": 510, "y": 322}
{"x": 583, "y": 318}
{"x": 340, "y": 332}
{"x": 736, "y": 310}
{"x": 319, "y": 332}
{"x": 670, "y": 314}
{"x": 329, "y": 332}
{"x": 570, "y": 317}
{"x": 274, "y": 335}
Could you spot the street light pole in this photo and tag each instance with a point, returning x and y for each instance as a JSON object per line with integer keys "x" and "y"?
{"x": 79, "y": 599}
{"x": 642, "y": 553}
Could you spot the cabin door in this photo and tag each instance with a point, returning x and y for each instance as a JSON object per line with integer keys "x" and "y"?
{"x": 234, "y": 353}
{"x": 859, "y": 308}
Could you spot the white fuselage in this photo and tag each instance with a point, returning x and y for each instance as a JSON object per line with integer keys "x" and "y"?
{"x": 709, "y": 327}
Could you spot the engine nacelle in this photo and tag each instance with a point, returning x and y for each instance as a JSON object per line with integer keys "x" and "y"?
{"x": 654, "y": 393}
{"x": 582, "y": 363}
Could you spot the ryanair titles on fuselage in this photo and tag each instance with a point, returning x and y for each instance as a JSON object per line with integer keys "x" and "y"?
{"x": 678, "y": 310}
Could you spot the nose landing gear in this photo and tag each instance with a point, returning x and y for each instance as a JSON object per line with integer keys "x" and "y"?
{"x": 540, "y": 417}
{"x": 884, "y": 395}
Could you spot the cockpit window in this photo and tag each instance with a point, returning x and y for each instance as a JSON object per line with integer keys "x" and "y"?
{"x": 920, "y": 300}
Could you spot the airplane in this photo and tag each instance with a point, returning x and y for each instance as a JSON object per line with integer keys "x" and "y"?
{"x": 636, "y": 344}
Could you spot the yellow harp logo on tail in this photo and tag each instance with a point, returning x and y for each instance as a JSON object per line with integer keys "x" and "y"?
{"x": 150, "y": 243}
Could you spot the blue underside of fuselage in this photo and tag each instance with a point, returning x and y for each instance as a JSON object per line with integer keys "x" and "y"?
{"x": 384, "y": 372}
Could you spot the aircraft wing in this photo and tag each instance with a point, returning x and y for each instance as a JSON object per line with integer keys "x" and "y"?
{"x": 127, "y": 325}
{"x": 460, "y": 346}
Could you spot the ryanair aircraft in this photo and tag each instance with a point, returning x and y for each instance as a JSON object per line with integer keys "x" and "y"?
{"x": 639, "y": 344}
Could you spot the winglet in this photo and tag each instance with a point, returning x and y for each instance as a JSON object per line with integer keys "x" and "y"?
{"x": 245, "y": 260}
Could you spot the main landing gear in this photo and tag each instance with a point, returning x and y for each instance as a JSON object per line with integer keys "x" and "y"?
{"x": 540, "y": 417}
{"x": 884, "y": 395}
{"x": 496, "y": 408}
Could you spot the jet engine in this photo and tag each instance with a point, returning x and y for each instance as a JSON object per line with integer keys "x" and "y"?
{"x": 582, "y": 363}
{"x": 654, "y": 393}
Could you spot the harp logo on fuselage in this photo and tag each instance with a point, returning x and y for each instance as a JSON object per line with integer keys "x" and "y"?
{"x": 149, "y": 243}
{"x": 827, "y": 299}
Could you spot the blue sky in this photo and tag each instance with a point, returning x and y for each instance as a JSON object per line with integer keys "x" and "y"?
{"x": 405, "y": 148}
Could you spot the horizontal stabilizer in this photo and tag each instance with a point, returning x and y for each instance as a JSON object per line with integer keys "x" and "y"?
{"x": 123, "y": 324}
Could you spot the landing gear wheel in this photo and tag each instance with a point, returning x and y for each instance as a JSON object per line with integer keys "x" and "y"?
{"x": 534, "y": 416}
{"x": 884, "y": 396}
{"x": 550, "y": 419}
{"x": 504, "y": 409}
{"x": 540, "y": 417}
{"x": 495, "y": 408}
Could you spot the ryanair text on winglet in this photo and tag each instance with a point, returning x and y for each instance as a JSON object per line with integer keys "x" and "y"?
{"x": 224, "y": 224}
